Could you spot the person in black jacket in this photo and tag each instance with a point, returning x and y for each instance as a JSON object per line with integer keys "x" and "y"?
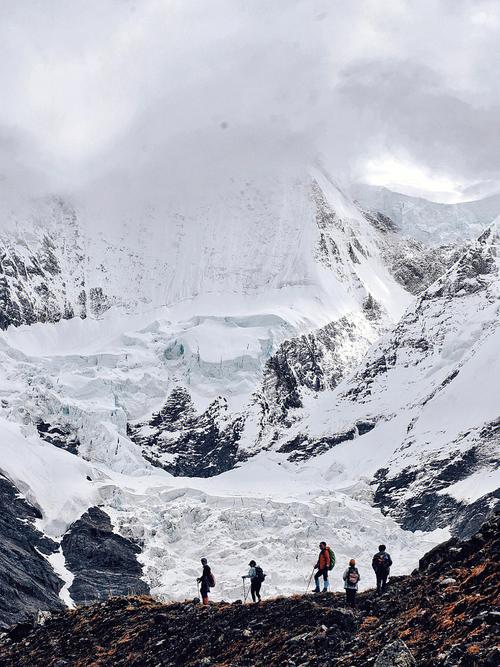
{"x": 205, "y": 581}
{"x": 381, "y": 564}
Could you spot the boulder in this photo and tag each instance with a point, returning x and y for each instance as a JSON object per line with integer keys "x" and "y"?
{"x": 396, "y": 654}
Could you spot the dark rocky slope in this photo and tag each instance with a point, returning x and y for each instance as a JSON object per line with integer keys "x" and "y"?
{"x": 188, "y": 444}
{"x": 103, "y": 563}
{"x": 27, "y": 581}
{"x": 445, "y": 614}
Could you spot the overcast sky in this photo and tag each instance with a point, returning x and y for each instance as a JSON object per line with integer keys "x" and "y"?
{"x": 120, "y": 92}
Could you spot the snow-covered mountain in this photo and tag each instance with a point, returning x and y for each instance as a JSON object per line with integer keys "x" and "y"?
{"x": 426, "y": 221}
{"x": 243, "y": 380}
{"x": 425, "y": 397}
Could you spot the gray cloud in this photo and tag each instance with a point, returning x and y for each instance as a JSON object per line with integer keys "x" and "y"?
{"x": 420, "y": 115}
{"x": 154, "y": 97}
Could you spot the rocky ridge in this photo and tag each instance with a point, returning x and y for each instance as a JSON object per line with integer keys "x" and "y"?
{"x": 445, "y": 614}
{"x": 102, "y": 563}
{"x": 27, "y": 581}
{"x": 188, "y": 444}
{"x": 44, "y": 274}
{"x": 99, "y": 562}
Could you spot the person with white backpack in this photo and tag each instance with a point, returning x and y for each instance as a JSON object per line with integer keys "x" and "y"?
{"x": 351, "y": 578}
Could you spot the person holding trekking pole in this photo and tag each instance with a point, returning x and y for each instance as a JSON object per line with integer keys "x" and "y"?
{"x": 326, "y": 561}
{"x": 256, "y": 576}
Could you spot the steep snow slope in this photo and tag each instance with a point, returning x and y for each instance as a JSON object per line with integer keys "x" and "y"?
{"x": 430, "y": 222}
{"x": 426, "y": 395}
{"x": 262, "y": 238}
{"x": 231, "y": 351}
{"x": 319, "y": 281}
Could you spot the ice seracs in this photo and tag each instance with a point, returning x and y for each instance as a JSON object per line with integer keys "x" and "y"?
{"x": 300, "y": 370}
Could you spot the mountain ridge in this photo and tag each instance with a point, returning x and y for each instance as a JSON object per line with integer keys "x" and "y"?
{"x": 263, "y": 419}
{"x": 442, "y": 614}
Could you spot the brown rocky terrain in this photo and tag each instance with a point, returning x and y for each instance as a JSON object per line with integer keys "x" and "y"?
{"x": 445, "y": 613}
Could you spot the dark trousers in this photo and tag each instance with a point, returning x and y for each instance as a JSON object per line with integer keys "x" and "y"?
{"x": 350, "y": 596}
{"x": 204, "y": 590}
{"x": 381, "y": 581}
{"x": 321, "y": 573}
{"x": 255, "y": 589}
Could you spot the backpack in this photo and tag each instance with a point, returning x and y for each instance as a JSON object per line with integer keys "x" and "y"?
{"x": 211, "y": 580}
{"x": 259, "y": 574}
{"x": 332, "y": 558}
{"x": 380, "y": 562}
{"x": 352, "y": 577}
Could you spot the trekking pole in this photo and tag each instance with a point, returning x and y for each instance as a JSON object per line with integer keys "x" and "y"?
{"x": 198, "y": 586}
{"x": 310, "y": 578}
{"x": 244, "y": 592}
{"x": 247, "y": 591}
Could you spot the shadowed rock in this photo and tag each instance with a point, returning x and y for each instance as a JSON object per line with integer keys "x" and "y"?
{"x": 103, "y": 563}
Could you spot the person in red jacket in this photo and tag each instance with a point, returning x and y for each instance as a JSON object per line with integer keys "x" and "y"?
{"x": 323, "y": 567}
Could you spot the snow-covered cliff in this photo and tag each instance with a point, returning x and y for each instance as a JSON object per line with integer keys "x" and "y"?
{"x": 247, "y": 377}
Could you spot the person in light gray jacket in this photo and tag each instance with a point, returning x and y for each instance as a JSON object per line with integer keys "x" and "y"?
{"x": 351, "y": 578}
{"x": 256, "y": 576}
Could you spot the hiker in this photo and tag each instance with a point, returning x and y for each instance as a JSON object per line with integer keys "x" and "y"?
{"x": 207, "y": 580}
{"x": 256, "y": 576}
{"x": 381, "y": 564}
{"x": 326, "y": 561}
{"x": 351, "y": 578}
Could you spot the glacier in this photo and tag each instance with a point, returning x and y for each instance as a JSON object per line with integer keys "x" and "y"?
{"x": 252, "y": 376}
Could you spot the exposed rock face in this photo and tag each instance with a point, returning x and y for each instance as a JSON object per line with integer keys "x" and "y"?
{"x": 103, "y": 563}
{"x": 27, "y": 580}
{"x": 303, "y": 447}
{"x": 43, "y": 276}
{"x": 312, "y": 363}
{"x": 31, "y": 285}
{"x": 184, "y": 443}
{"x": 413, "y": 264}
{"x": 427, "y": 509}
{"x": 441, "y": 616}
{"x": 416, "y": 266}
{"x": 59, "y": 435}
